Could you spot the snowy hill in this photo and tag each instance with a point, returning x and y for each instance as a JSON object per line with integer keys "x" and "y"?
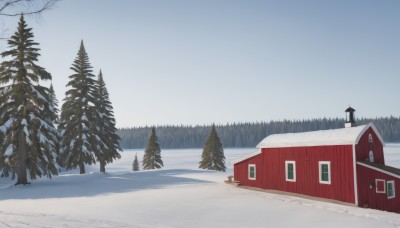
{"x": 179, "y": 195}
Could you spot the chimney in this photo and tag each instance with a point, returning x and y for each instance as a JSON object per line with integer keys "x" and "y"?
{"x": 350, "y": 121}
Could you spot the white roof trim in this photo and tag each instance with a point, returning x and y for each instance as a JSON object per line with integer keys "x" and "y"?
{"x": 378, "y": 169}
{"x": 247, "y": 156}
{"x": 341, "y": 136}
{"x": 374, "y": 129}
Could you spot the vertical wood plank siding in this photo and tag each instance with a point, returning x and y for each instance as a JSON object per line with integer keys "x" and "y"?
{"x": 367, "y": 196}
{"x": 270, "y": 168}
{"x": 270, "y": 172}
{"x": 241, "y": 171}
{"x": 364, "y": 146}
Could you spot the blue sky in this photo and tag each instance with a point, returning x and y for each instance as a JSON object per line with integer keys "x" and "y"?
{"x": 199, "y": 62}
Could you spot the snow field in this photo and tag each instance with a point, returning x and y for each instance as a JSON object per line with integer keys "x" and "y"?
{"x": 179, "y": 195}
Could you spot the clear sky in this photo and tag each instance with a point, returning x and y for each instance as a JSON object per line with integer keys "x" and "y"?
{"x": 204, "y": 61}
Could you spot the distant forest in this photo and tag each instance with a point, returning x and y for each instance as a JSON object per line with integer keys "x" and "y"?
{"x": 245, "y": 134}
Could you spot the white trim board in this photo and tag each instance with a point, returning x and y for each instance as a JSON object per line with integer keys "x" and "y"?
{"x": 329, "y": 172}
{"x": 294, "y": 171}
{"x": 374, "y": 129}
{"x": 355, "y": 176}
{"x": 255, "y": 172}
{"x": 394, "y": 189}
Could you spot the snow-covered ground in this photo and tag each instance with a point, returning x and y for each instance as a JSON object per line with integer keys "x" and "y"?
{"x": 179, "y": 195}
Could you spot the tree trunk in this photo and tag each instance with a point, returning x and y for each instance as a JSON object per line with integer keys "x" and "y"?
{"x": 81, "y": 168}
{"x": 102, "y": 166}
{"x": 21, "y": 159}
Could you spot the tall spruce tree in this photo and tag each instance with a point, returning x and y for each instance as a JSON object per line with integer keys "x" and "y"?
{"x": 79, "y": 117}
{"x": 30, "y": 138}
{"x": 107, "y": 149}
{"x": 152, "y": 154}
{"x": 213, "y": 157}
{"x": 135, "y": 164}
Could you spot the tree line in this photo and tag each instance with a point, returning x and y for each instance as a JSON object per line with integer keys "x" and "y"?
{"x": 246, "y": 134}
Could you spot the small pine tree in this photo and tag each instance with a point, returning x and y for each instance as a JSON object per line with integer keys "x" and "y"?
{"x": 152, "y": 154}
{"x": 30, "y": 139}
{"x": 135, "y": 164}
{"x": 213, "y": 157}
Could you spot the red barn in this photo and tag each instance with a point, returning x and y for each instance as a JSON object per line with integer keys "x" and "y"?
{"x": 345, "y": 164}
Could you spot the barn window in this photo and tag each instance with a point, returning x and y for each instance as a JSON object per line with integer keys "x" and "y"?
{"x": 390, "y": 189}
{"x": 370, "y": 139}
{"x": 325, "y": 172}
{"x": 290, "y": 170}
{"x": 380, "y": 186}
{"x": 371, "y": 156}
{"x": 252, "y": 172}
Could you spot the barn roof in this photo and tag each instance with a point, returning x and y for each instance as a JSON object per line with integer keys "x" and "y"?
{"x": 342, "y": 136}
{"x": 392, "y": 171}
{"x": 247, "y": 156}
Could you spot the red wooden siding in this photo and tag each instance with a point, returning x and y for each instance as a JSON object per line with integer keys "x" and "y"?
{"x": 270, "y": 166}
{"x": 368, "y": 197}
{"x": 307, "y": 171}
{"x": 364, "y": 146}
{"x": 380, "y": 185}
{"x": 241, "y": 171}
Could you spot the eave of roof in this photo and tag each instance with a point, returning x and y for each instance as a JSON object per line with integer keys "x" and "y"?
{"x": 389, "y": 170}
{"x": 247, "y": 156}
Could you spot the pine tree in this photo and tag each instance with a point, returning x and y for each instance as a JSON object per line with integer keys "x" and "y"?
{"x": 54, "y": 104}
{"x": 78, "y": 122}
{"x": 56, "y": 120}
{"x": 135, "y": 164}
{"x": 213, "y": 157}
{"x": 30, "y": 138}
{"x": 108, "y": 145}
{"x": 152, "y": 154}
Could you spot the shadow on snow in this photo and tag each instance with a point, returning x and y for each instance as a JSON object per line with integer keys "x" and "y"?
{"x": 75, "y": 185}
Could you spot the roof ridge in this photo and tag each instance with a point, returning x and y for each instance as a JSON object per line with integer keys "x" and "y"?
{"x": 340, "y": 136}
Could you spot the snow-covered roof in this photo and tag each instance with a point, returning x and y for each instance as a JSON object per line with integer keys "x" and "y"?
{"x": 247, "y": 156}
{"x": 342, "y": 136}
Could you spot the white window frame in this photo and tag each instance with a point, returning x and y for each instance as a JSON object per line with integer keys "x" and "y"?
{"x": 394, "y": 191}
{"x": 370, "y": 139}
{"x": 329, "y": 172}
{"x": 384, "y": 185}
{"x": 252, "y": 178}
{"x": 371, "y": 155}
{"x": 294, "y": 171}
